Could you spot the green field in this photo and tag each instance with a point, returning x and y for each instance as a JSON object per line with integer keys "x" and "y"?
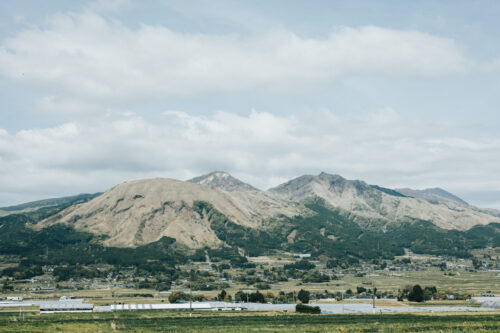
{"x": 248, "y": 322}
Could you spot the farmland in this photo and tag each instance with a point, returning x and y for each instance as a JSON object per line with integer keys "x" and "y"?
{"x": 248, "y": 322}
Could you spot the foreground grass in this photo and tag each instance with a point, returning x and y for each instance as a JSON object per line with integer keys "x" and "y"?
{"x": 248, "y": 322}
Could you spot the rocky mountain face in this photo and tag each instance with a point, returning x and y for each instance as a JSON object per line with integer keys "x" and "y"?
{"x": 140, "y": 212}
{"x": 359, "y": 198}
{"x": 223, "y": 181}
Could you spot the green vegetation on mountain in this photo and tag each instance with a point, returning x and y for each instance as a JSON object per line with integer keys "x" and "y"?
{"x": 326, "y": 233}
{"x": 254, "y": 241}
{"x": 388, "y": 191}
{"x": 62, "y": 246}
{"x": 340, "y": 237}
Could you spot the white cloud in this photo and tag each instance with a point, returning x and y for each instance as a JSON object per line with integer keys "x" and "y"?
{"x": 87, "y": 56}
{"x": 260, "y": 147}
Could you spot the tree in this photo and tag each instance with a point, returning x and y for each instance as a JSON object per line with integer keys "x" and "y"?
{"x": 416, "y": 294}
{"x": 360, "y": 290}
{"x": 429, "y": 293}
{"x": 477, "y": 263}
{"x": 222, "y": 295}
{"x": 303, "y": 296}
{"x": 178, "y": 296}
{"x": 240, "y": 296}
{"x": 7, "y": 287}
{"x": 256, "y": 297}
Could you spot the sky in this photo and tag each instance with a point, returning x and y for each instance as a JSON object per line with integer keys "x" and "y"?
{"x": 395, "y": 93}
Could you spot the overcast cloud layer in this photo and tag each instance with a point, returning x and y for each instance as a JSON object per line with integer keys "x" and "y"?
{"x": 86, "y": 56}
{"x": 97, "y": 73}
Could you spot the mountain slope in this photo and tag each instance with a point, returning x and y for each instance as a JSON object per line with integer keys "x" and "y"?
{"x": 222, "y": 180}
{"x": 54, "y": 202}
{"x": 143, "y": 211}
{"x": 364, "y": 200}
{"x": 225, "y": 211}
{"x": 433, "y": 195}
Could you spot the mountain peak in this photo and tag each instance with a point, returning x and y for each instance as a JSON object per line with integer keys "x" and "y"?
{"x": 222, "y": 180}
{"x": 325, "y": 175}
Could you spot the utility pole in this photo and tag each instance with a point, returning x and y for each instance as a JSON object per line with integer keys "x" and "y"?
{"x": 190, "y": 301}
{"x": 21, "y": 314}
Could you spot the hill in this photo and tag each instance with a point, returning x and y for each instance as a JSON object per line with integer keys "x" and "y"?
{"x": 143, "y": 211}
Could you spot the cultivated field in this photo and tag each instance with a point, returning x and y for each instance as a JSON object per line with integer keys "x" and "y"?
{"x": 248, "y": 322}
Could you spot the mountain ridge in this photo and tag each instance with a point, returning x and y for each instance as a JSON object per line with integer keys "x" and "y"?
{"x": 37, "y": 204}
{"x": 142, "y": 211}
{"x": 433, "y": 195}
{"x": 359, "y": 198}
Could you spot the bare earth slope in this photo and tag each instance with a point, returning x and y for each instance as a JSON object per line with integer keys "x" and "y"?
{"x": 362, "y": 199}
{"x": 143, "y": 211}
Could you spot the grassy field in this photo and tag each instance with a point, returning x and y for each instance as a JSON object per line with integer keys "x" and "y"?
{"x": 465, "y": 282}
{"x": 248, "y": 322}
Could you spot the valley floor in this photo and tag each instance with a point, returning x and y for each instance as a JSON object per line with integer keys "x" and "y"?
{"x": 249, "y": 322}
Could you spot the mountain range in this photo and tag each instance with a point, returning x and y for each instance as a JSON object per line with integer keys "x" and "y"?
{"x": 140, "y": 212}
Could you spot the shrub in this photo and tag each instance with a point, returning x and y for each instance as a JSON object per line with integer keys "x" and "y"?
{"x": 307, "y": 309}
{"x": 301, "y": 265}
{"x": 262, "y": 286}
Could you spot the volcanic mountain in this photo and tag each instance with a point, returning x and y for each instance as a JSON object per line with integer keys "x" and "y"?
{"x": 143, "y": 211}
{"x": 369, "y": 201}
{"x": 196, "y": 212}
